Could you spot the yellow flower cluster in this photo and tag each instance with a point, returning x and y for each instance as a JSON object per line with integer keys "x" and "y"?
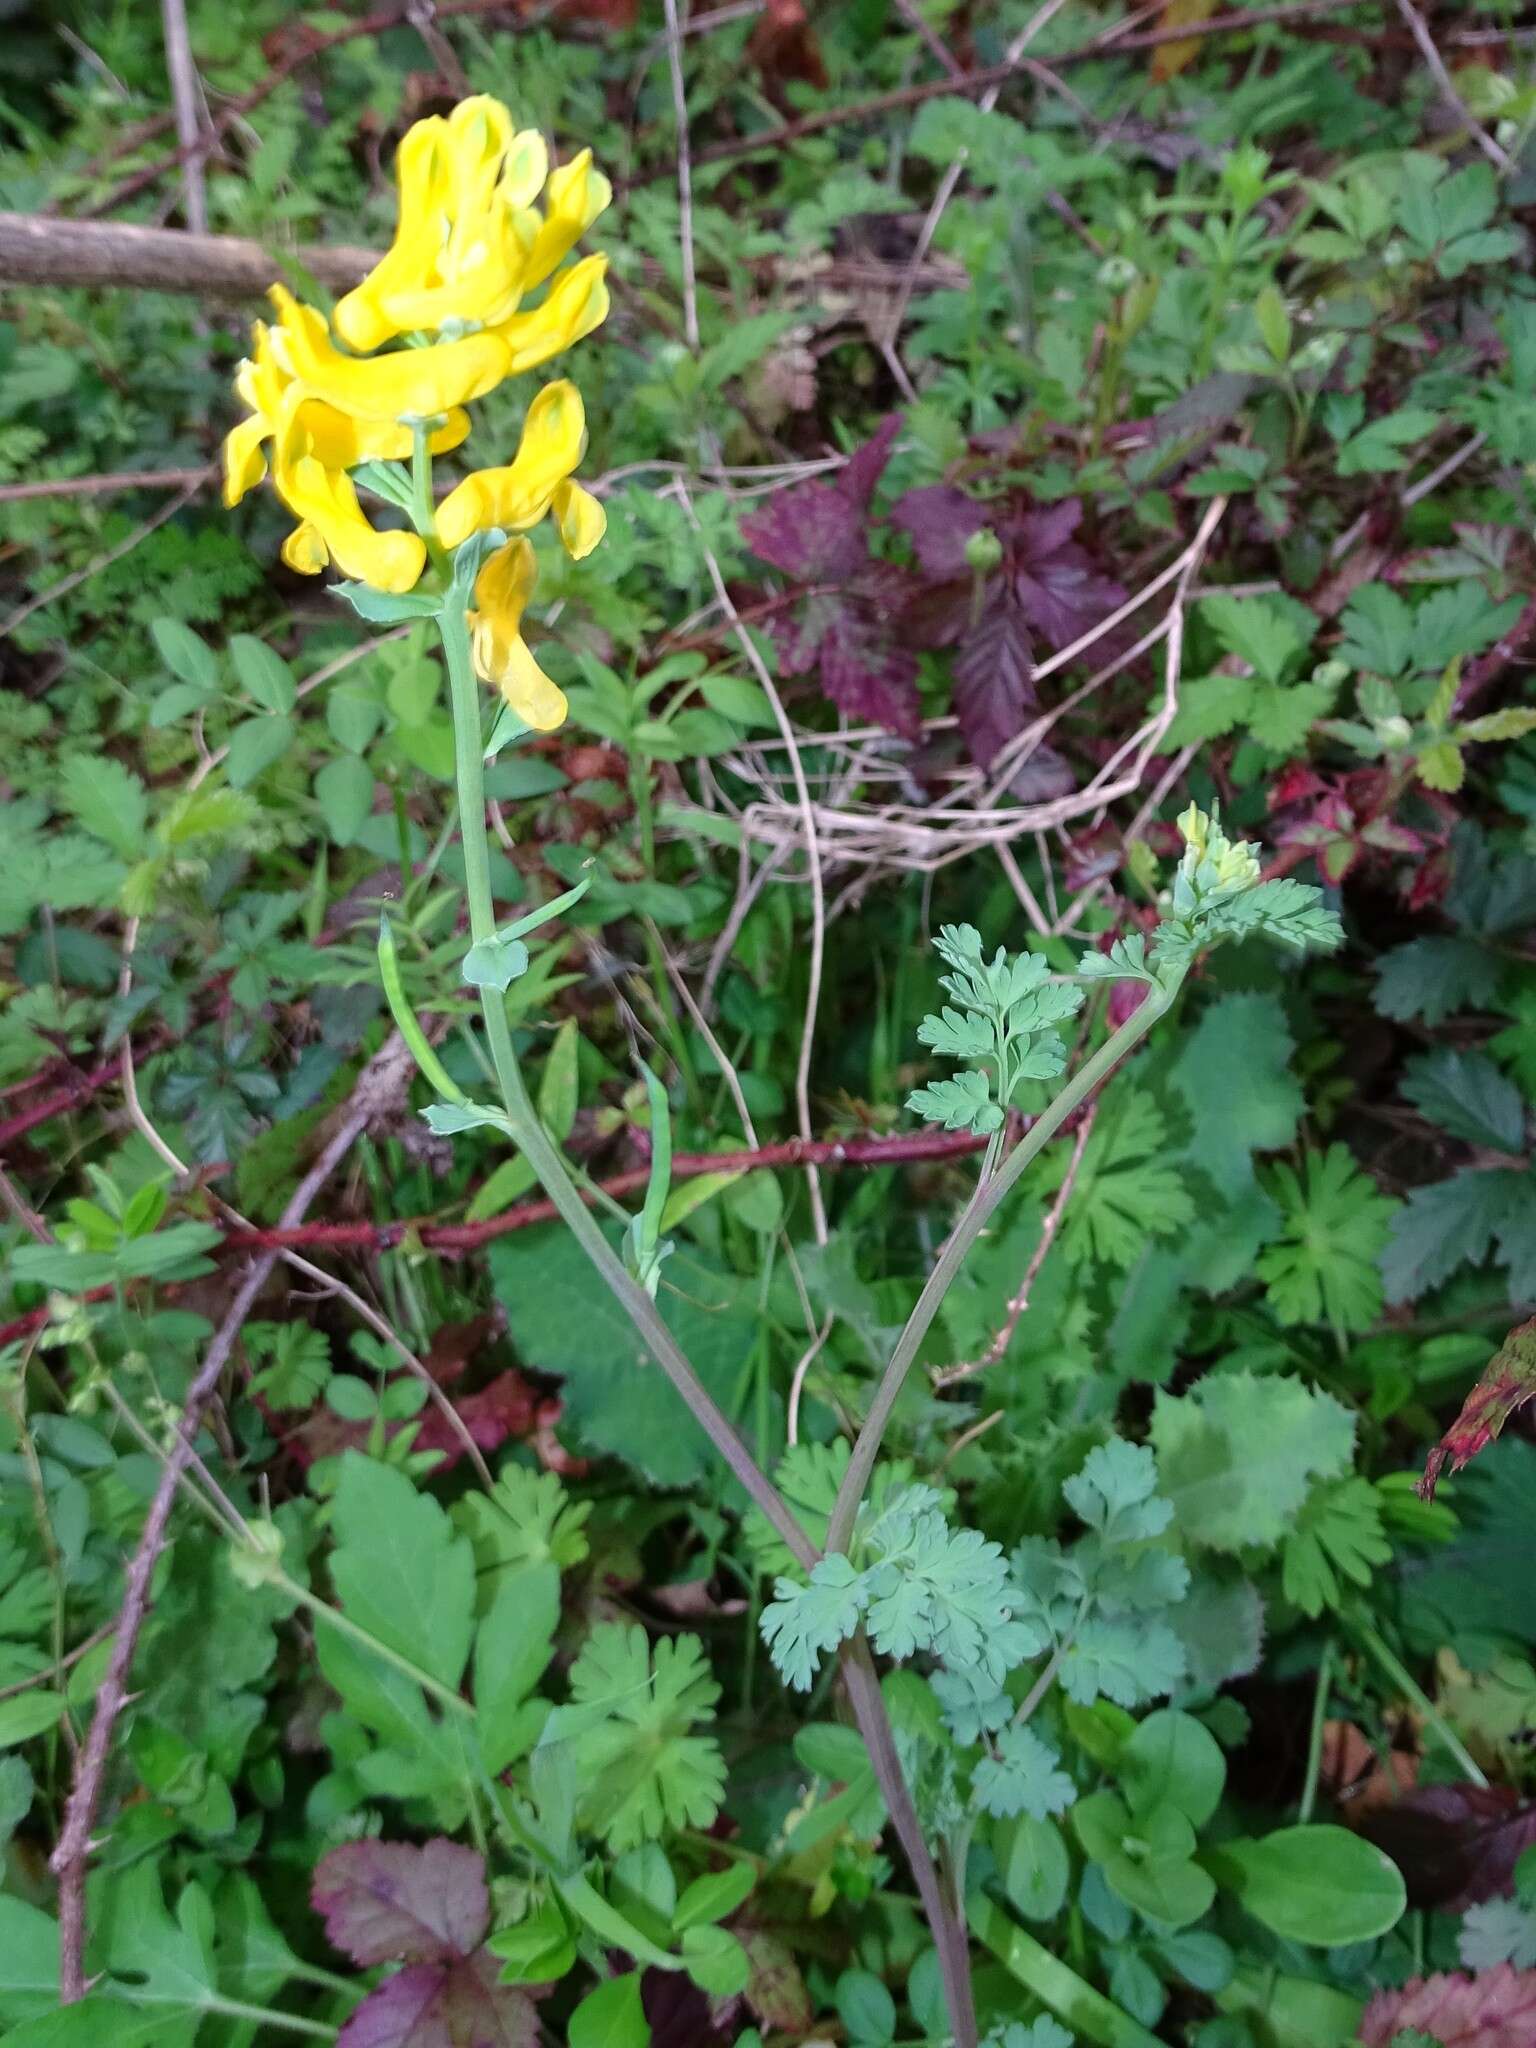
{"x": 435, "y": 325}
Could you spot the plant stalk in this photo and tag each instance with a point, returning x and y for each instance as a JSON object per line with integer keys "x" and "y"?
{"x": 542, "y": 1155}
{"x": 863, "y": 1687}
{"x": 945, "y": 1922}
{"x": 990, "y": 1190}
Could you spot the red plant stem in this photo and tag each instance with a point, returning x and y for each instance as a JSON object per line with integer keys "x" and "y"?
{"x": 70, "y": 1096}
{"x": 381, "y": 1082}
{"x": 1488, "y": 667}
{"x": 467, "y": 1237}
{"x": 909, "y": 1148}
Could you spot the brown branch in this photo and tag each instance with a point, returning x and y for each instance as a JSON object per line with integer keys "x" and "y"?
{"x": 379, "y": 1086}
{"x": 310, "y": 43}
{"x": 38, "y": 250}
{"x": 1107, "y": 45}
{"x": 909, "y": 1148}
{"x": 107, "y": 480}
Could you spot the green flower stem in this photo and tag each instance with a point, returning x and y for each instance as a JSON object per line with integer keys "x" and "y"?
{"x": 989, "y": 1192}
{"x": 542, "y": 1155}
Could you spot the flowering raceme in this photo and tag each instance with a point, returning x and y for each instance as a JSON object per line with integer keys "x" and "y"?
{"x": 437, "y": 323}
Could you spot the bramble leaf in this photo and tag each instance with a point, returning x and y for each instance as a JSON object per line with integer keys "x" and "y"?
{"x": 1465, "y": 1094}
{"x": 1455, "y": 1222}
{"x": 387, "y": 1902}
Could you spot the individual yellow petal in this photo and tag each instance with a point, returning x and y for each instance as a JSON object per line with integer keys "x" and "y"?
{"x": 580, "y": 518}
{"x": 517, "y": 496}
{"x": 577, "y": 194}
{"x": 422, "y": 171}
{"x": 304, "y": 550}
{"x": 326, "y": 500}
{"x": 244, "y": 463}
{"x": 501, "y": 655}
{"x": 505, "y": 584}
{"x": 407, "y": 384}
{"x": 577, "y": 302}
{"x": 538, "y": 701}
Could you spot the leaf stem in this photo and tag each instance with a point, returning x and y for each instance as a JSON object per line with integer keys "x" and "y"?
{"x": 345, "y": 1625}
{"x": 988, "y": 1193}
{"x": 1378, "y": 1647}
{"x": 1315, "y": 1733}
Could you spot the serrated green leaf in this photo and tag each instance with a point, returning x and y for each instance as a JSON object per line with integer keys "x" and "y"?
{"x": 107, "y": 800}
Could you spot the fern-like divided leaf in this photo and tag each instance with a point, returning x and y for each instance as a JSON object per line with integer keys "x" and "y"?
{"x": 1022, "y": 1776}
{"x": 1007, "y": 1010}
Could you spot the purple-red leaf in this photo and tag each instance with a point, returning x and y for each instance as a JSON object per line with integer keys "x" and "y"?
{"x": 814, "y": 533}
{"x": 1045, "y": 587}
{"x": 1456, "y": 1845}
{"x": 817, "y": 531}
{"x": 865, "y": 466}
{"x": 1495, "y": 2009}
{"x": 994, "y": 675}
{"x": 941, "y": 519}
{"x": 444, "y": 2005}
{"x": 1058, "y": 588}
{"x": 386, "y": 1902}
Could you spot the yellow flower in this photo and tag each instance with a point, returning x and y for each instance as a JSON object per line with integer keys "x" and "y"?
{"x": 517, "y": 497}
{"x": 576, "y": 195}
{"x": 580, "y": 518}
{"x": 577, "y": 302}
{"x": 500, "y": 653}
{"x": 469, "y": 243}
{"x": 336, "y": 439}
{"x": 408, "y": 384}
{"x": 332, "y": 527}
{"x": 459, "y": 249}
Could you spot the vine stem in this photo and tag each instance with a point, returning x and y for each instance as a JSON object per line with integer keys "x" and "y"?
{"x": 990, "y": 1190}
{"x": 529, "y": 1133}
